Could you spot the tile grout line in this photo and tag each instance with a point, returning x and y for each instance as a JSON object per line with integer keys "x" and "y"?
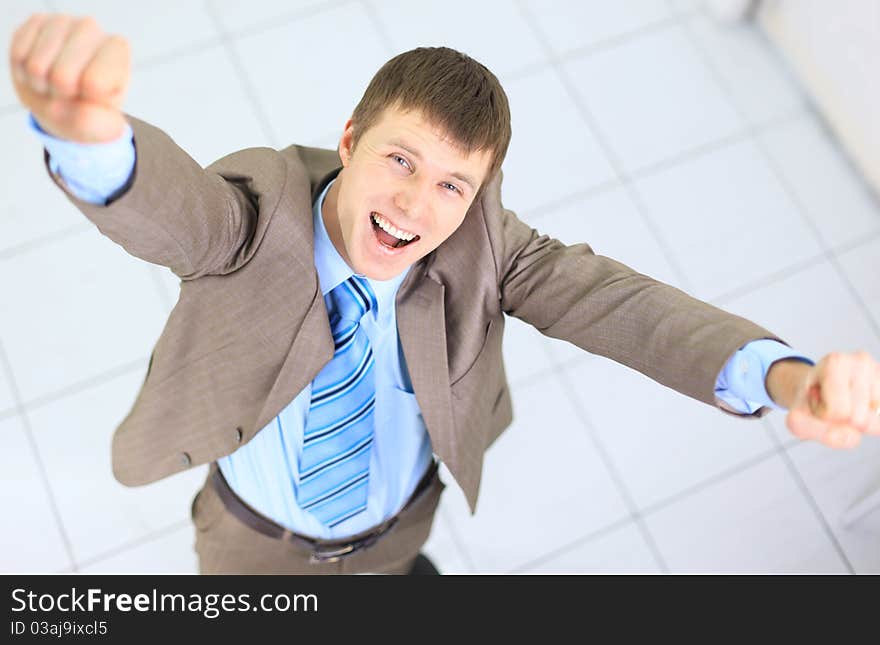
{"x": 593, "y": 435}
{"x": 269, "y": 24}
{"x": 182, "y": 51}
{"x": 373, "y": 17}
{"x": 846, "y": 247}
{"x": 791, "y": 194}
{"x": 790, "y": 440}
{"x": 790, "y": 270}
{"x": 581, "y": 541}
{"x": 795, "y": 474}
{"x": 525, "y": 71}
{"x": 599, "y": 46}
{"x": 610, "y": 42}
{"x": 131, "y": 544}
{"x": 705, "y": 149}
{"x": 85, "y": 384}
{"x": 768, "y": 280}
{"x": 708, "y": 482}
{"x": 43, "y": 240}
{"x": 280, "y": 21}
{"x": 29, "y": 433}
{"x": 532, "y": 377}
{"x": 243, "y": 77}
{"x": 549, "y": 207}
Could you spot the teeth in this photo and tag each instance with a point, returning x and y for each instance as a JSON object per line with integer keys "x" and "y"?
{"x": 388, "y": 227}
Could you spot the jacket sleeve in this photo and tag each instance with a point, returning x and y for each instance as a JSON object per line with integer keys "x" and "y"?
{"x": 196, "y": 221}
{"x": 609, "y": 309}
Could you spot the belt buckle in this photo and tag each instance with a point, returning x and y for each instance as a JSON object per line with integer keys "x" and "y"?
{"x": 331, "y": 555}
{"x": 320, "y": 556}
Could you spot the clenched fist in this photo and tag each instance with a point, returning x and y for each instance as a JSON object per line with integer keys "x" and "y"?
{"x": 71, "y": 76}
{"x": 836, "y": 402}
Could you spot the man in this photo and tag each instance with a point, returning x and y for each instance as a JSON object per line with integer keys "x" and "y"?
{"x": 341, "y": 313}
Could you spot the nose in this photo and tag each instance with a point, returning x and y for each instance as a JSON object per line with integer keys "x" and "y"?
{"x": 412, "y": 198}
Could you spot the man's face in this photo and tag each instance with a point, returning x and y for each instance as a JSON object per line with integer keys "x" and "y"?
{"x": 403, "y": 177}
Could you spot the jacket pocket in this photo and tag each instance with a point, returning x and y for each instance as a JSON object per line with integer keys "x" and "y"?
{"x": 475, "y": 363}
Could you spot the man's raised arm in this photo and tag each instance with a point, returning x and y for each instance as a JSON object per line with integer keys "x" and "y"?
{"x": 129, "y": 178}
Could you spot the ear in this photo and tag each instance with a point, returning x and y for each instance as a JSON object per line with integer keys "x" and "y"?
{"x": 345, "y": 143}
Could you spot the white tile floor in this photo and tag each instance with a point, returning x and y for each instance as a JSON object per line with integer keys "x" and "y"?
{"x": 680, "y": 147}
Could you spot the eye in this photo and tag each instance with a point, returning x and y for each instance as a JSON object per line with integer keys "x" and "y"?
{"x": 452, "y": 186}
{"x": 399, "y": 159}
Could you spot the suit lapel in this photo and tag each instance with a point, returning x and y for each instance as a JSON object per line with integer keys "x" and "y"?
{"x": 312, "y": 348}
{"x": 421, "y": 324}
{"x": 312, "y": 345}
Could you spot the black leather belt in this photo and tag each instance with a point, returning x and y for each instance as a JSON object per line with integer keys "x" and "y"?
{"x": 321, "y": 550}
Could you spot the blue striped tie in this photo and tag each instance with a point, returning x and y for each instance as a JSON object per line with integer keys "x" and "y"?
{"x": 334, "y": 466}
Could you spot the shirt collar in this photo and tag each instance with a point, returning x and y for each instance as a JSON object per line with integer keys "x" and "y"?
{"x": 333, "y": 270}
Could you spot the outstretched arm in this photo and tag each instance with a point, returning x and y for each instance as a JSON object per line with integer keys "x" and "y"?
{"x": 607, "y": 308}
{"x": 72, "y": 77}
{"x": 603, "y": 306}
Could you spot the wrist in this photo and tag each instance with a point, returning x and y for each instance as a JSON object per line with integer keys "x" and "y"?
{"x": 112, "y": 128}
{"x": 784, "y": 380}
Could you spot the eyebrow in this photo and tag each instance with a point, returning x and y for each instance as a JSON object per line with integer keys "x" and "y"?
{"x": 465, "y": 178}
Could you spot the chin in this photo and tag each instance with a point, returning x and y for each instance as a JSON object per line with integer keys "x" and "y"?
{"x": 380, "y": 273}
{"x": 378, "y": 267}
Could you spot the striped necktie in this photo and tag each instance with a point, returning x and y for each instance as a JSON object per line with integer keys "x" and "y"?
{"x": 334, "y": 466}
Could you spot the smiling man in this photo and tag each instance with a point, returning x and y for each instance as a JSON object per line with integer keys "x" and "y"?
{"x": 405, "y": 185}
{"x": 339, "y": 328}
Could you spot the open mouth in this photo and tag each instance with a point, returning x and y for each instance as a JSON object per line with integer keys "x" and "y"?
{"x": 389, "y": 235}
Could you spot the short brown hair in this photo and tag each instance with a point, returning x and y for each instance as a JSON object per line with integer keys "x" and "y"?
{"x": 451, "y": 90}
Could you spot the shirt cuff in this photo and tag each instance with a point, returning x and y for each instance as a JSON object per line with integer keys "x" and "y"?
{"x": 92, "y": 171}
{"x": 741, "y": 383}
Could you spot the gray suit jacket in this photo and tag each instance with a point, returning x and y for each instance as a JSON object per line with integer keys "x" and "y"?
{"x": 250, "y": 329}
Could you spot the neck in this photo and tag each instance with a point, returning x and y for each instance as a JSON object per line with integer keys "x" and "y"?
{"x": 330, "y": 215}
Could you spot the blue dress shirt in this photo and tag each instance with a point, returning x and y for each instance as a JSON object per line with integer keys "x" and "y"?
{"x": 264, "y": 470}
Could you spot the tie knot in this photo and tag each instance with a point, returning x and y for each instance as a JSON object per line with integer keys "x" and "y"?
{"x": 354, "y": 298}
